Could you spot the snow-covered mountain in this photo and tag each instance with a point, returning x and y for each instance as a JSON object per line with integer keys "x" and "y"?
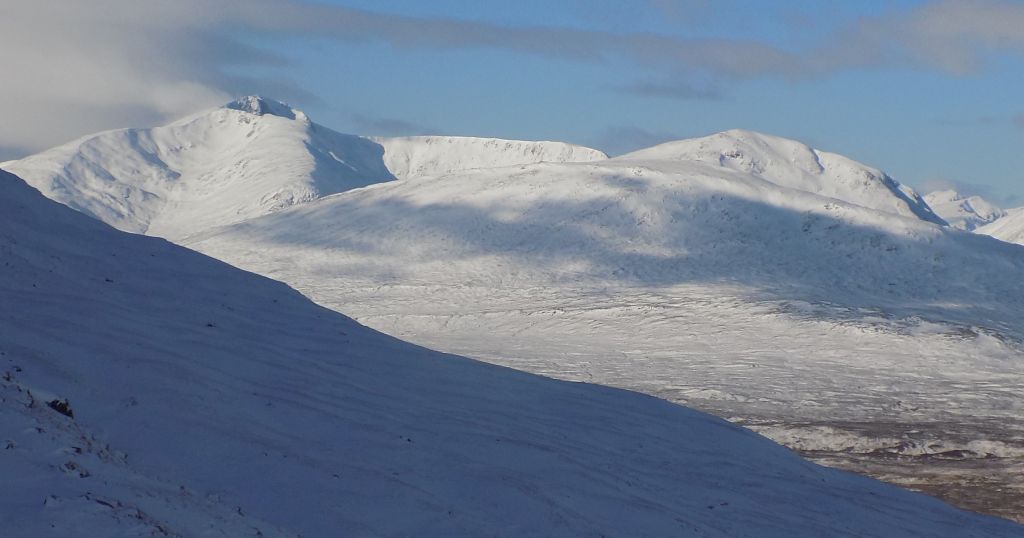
{"x": 963, "y": 212}
{"x": 251, "y": 157}
{"x": 149, "y": 390}
{"x": 1009, "y": 228}
{"x": 255, "y": 156}
{"x": 793, "y": 290}
{"x": 974, "y": 213}
{"x": 791, "y": 164}
{"x": 851, "y": 332}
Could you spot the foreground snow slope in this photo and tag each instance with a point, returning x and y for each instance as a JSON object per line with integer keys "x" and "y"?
{"x": 963, "y": 212}
{"x": 830, "y": 326}
{"x": 209, "y": 401}
{"x": 1009, "y": 228}
{"x": 251, "y": 157}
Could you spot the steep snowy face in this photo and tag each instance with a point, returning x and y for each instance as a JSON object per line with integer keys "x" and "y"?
{"x": 252, "y": 157}
{"x": 422, "y": 156}
{"x": 963, "y": 212}
{"x": 204, "y": 400}
{"x": 789, "y": 163}
{"x": 1009, "y": 228}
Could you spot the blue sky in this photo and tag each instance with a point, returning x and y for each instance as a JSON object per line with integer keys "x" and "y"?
{"x": 930, "y": 91}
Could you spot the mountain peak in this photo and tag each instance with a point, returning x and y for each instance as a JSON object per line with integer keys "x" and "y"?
{"x": 793, "y": 164}
{"x": 260, "y": 106}
{"x": 962, "y": 211}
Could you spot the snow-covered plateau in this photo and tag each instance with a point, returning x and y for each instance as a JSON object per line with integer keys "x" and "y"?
{"x": 794, "y": 291}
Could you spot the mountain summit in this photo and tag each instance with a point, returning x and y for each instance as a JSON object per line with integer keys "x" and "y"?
{"x": 795, "y": 165}
{"x": 259, "y": 106}
{"x": 248, "y": 158}
{"x": 963, "y": 212}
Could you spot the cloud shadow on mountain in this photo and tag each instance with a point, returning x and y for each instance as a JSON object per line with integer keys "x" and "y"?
{"x": 773, "y": 253}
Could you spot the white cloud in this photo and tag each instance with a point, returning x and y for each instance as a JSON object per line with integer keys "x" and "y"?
{"x": 71, "y": 67}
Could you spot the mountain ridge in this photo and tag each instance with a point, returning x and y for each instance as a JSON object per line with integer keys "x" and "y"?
{"x": 255, "y": 156}
{"x": 250, "y": 157}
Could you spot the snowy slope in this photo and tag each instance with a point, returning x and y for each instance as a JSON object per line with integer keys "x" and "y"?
{"x": 627, "y": 222}
{"x": 251, "y": 157}
{"x": 831, "y": 326}
{"x": 423, "y": 156}
{"x": 963, "y": 212}
{"x": 215, "y": 167}
{"x": 209, "y": 401}
{"x": 1009, "y": 228}
{"x": 789, "y": 163}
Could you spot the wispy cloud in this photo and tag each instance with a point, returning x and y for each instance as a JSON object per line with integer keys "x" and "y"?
{"x": 680, "y": 10}
{"x": 953, "y": 36}
{"x": 1018, "y": 120}
{"x": 730, "y": 57}
{"x": 682, "y": 91}
{"x": 969, "y": 122}
{"x": 1014, "y": 120}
